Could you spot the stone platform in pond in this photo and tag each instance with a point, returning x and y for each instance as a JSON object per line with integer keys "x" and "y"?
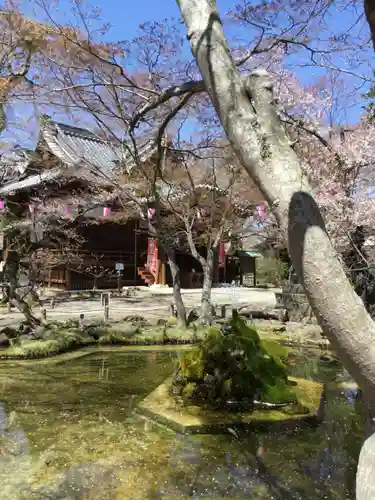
{"x": 190, "y": 419}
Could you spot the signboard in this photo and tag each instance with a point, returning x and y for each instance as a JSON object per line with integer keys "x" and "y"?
{"x": 119, "y": 266}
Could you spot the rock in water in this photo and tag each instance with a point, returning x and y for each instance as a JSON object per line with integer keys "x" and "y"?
{"x": 4, "y": 341}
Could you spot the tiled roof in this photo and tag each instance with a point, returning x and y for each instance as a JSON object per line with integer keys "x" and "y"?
{"x": 74, "y": 147}
{"x": 14, "y": 164}
{"x": 30, "y": 181}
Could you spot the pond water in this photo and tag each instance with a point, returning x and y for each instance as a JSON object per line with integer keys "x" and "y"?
{"x": 68, "y": 431}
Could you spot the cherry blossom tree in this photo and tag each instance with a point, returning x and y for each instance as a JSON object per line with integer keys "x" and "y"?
{"x": 208, "y": 206}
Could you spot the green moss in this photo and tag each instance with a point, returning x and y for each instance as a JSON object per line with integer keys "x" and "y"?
{"x": 114, "y": 337}
{"x": 279, "y": 393}
{"x": 42, "y": 348}
{"x": 193, "y": 418}
{"x": 172, "y": 321}
{"x": 192, "y": 363}
{"x": 59, "y": 337}
{"x": 189, "y": 390}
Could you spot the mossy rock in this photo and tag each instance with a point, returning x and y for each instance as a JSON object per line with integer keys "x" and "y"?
{"x": 171, "y": 321}
{"x": 232, "y": 363}
{"x": 167, "y": 410}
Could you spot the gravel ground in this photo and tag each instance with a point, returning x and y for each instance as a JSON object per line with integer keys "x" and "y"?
{"x": 151, "y": 304}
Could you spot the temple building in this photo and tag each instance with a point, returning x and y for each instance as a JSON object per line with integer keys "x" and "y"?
{"x": 70, "y": 162}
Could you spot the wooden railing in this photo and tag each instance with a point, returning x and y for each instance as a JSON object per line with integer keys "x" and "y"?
{"x": 110, "y": 255}
{"x": 85, "y": 281}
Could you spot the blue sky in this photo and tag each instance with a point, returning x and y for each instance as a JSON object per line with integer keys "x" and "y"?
{"x": 125, "y": 16}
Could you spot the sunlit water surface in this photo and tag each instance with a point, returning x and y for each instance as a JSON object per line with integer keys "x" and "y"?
{"x": 68, "y": 431}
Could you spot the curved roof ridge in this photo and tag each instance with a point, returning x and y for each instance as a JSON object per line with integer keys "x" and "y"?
{"x": 50, "y": 132}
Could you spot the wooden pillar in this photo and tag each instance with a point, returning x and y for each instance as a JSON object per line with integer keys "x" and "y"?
{"x": 157, "y": 271}
{"x": 68, "y": 279}
{"x": 163, "y": 274}
{"x": 161, "y": 264}
{"x": 5, "y": 248}
{"x": 255, "y": 272}
{"x": 49, "y": 278}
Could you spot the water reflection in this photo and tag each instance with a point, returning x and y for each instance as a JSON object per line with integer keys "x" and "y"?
{"x": 68, "y": 430}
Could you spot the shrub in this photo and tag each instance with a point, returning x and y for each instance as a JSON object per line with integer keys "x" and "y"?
{"x": 233, "y": 364}
{"x": 271, "y": 270}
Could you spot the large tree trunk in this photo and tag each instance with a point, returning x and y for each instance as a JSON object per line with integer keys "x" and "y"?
{"x": 245, "y": 107}
{"x": 175, "y": 271}
{"x": 25, "y": 309}
{"x": 208, "y": 273}
{"x": 11, "y": 269}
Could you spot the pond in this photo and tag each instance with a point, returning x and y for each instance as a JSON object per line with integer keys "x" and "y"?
{"x": 68, "y": 431}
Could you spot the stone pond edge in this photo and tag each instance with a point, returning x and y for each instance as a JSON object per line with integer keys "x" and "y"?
{"x": 150, "y": 408}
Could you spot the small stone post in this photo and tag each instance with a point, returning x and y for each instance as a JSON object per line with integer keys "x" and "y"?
{"x": 173, "y": 310}
{"x": 223, "y": 311}
{"x": 105, "y": 300}
{"x": 106, "y": 314}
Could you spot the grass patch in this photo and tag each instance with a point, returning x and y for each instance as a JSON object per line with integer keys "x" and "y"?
{"x": 58, "y": 338}
{"x": 150, "y": 336}
{"x": 29, "y": 349}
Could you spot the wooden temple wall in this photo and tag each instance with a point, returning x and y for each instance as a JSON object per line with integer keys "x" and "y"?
{"x": 105, "y": 245}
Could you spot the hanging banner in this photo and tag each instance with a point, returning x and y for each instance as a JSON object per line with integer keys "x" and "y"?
{"x": 221, "y": 259}
{"x": 106, "y": 211}
{"x": 261, "y": 209}
{"x": 151, "y": 213}
{"x": 32, "y": 209}
{"x": 152, "y": 255}
{"x": 2, "y": 205}
{"x": 202, "y": 213}
{"x": 227, "y": 247}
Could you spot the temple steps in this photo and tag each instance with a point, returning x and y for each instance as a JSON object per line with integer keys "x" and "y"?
{"x": 146, "y": 275}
